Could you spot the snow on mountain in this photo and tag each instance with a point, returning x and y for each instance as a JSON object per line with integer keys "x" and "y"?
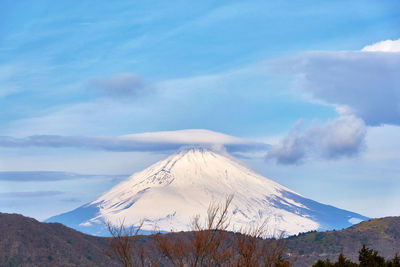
{"x": 171, "y": 192}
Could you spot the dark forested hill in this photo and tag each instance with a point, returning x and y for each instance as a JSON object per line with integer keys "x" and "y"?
{"x": 27, "y": 242}
{"x": 382, "y": 235}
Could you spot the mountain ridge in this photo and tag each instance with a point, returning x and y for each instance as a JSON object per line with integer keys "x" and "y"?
{"x": 27, "y": 242}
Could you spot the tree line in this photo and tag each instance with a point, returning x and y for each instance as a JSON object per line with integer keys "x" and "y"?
{"x": 367, "y": 258}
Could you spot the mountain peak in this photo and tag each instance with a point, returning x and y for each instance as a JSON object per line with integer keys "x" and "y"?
{"x": 201, "y": 149}
{"x": 170, "y": 192}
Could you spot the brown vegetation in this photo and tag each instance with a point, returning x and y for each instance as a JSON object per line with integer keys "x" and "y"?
{"x": 382, "y": 235}
{"x": 204, "y": 246}
{"x": 121, "y": 244}
{"x": 27, "y": 242}
{"x": 208, "y": 244}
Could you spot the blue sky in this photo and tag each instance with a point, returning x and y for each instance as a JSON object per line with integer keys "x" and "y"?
{"x": 289, "y": 74}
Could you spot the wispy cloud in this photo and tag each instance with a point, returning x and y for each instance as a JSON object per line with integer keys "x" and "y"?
{"x": 154, "y": 141}
{"x": 341, "y": 137}
{"x": 72, "y": 199}
{"x": 30, "y": 194}
{"x": 9, "y": 76}
{"x": 119, "y": 85}
{"x": 49, "y": 176}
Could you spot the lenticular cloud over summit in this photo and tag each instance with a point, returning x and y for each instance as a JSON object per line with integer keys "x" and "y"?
{"x": 170, "y": 192}
{"x": 189, "y": 137}
{"x": 151, "y": 141}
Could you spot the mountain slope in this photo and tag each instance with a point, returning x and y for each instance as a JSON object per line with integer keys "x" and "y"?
{"x": 27, "y": 242}
{"x": 170, "y": 192}
{"x": 381, "y": 234}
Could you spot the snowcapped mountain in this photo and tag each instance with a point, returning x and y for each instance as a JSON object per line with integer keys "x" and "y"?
{"x": 168, "y": 194}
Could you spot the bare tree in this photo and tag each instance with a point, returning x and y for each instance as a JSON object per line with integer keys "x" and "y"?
{"x": 208, "y": 239}
{"x": 210, "y": 244}
{"x": 207, "y": 244}
{"x": 123, "y": 244}
{"x": 254, "y": 249}
{"x": 203, "y": 246}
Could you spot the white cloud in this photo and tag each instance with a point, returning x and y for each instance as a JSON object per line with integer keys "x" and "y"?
{"x": 340, "y": 137}
{"x": 190, "y": 136}
{"x": 364, "y": 88}
{"x": 8, "y": 77}
{"x": 383, "y": 46}
{"x": 365, "y": 84}
{"x": 155, "y": 141}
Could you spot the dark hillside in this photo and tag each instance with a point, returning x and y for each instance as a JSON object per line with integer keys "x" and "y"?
{"x": 27, "y": 242}
{"x": 382, "y": 235}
